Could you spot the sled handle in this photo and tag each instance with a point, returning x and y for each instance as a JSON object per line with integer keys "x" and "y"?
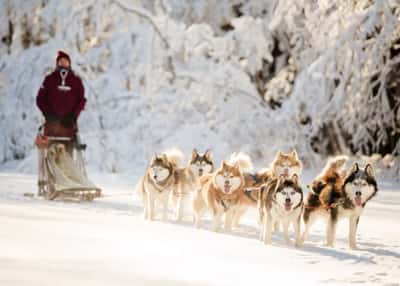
{"x": 59, "y": 138}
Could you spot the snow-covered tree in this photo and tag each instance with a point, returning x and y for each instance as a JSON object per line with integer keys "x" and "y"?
{"x": 318, "y": 76}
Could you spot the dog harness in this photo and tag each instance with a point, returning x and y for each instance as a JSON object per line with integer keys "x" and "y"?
{"x": 227, "y": 203}
{"x": 325, "y": 206}
{"x": 255, "y": 179}
{"x": 247, "y": 192}
{"x": 160, "y": 189}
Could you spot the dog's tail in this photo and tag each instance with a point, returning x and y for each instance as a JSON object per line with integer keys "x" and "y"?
{"x": 335, "y": 164}
{"x": 139, "y": 188}
{"x": 175, "y": 156}
{"x": 332, "y": 174}
{"x": 243, "y": 161}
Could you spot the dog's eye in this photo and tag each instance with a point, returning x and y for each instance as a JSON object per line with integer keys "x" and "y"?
{"x": 292, "y": 193}
{"x": 284, "y": 193}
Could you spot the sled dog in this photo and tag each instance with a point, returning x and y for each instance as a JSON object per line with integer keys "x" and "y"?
{"x": 335, "y": 196}
{"x": 281, "y": 200}
{"x": 187, "y": 180}
{"x": 157, "y": 183}
{"x": 222, "y": 192}
{"x": 284, "y": 164}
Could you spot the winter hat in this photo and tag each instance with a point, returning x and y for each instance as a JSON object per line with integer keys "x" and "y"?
{"x": 62, "y": 54}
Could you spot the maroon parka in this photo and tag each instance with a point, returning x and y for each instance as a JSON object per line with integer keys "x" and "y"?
{"x": 58, "y": 98}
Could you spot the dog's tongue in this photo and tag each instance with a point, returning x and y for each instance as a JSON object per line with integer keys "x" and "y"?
{"x": 227, "y": 188}
{"x": 288, "y": 207}
{"x": 357, "y": 200}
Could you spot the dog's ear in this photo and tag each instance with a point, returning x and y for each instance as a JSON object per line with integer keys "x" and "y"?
{"x": 280, "y": 153}
{"x": 224, "y": 164}
{"x": 208, "y": 155}
{"x": 369, "y": 170}
{"x": 279, "y": 181}
{"x": 51, "y": 152}
{"x": 294, "y": 153}
{"x": 164, "y": 157}
{"x": 354, "y": 168}
{"x": 295, "y": 179}
{"x": 342, "y": 161}
{"x": 60, "y": 148}
{"x": 195, "y": 154}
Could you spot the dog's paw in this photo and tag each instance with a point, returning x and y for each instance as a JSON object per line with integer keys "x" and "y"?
{"x": 267, "y": 241}
{"x": 298, "y": 243}
{"x": 227, "y": 229}
{"x": 216, "y": 228}
{"x": 353, "y": 247}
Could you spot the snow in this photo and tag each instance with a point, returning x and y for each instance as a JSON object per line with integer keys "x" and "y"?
{"x": 107, "y": 242}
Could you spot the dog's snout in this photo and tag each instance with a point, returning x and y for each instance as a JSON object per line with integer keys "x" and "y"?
{"x": 287, "y": 200}
{"x": 155, "y": 177}
{"x": 226, "y": 182}
{"x": 358, "y": 193}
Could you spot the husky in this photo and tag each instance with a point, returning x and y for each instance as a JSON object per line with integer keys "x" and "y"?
{"x": 284, "y": 164}
{"x": 201, "y": 164}
{"x": 187, "y": 179}
{"x": 335, "y": 196}
{"x": 253, "y": 183}
{"x": 325, "y": 191}
{"x": 281, "y": 200}
{"x": 157, "y": 183}
{"x": 222, "y": 193}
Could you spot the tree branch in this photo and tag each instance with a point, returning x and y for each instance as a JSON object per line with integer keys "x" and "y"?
{"x": 148, "y": 17}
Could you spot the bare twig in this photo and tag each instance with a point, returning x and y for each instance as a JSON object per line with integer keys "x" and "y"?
{"x": 148, "y": 17}
{"x": 145, "y": 15}
{"x": 249, "y": 95}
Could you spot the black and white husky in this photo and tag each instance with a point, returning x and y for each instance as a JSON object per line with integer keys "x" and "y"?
{"x": 341, "y": 199}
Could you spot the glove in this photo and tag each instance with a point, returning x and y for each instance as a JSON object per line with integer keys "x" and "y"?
{"x": 51, "y": 118}
{"x": 68, "y": 121}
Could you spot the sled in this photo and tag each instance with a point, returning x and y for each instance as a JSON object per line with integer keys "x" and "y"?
{"x": 62, "y": 172}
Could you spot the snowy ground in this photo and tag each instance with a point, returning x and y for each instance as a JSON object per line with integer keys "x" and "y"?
{"x": 108, "y": 243}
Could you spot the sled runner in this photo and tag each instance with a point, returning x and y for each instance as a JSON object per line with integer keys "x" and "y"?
{"x": 62, "y": 172}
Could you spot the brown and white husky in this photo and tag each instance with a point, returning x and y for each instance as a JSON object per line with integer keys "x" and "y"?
{"x": 157, "y": 184}
{"x": 286, "y": 164}
{"x": 221, "y": 193}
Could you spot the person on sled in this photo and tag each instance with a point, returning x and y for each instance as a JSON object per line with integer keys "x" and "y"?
{"x": 61, "y": 98}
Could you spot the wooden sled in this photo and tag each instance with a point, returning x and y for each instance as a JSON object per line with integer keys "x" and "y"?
{"x": 62, "y": 173}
